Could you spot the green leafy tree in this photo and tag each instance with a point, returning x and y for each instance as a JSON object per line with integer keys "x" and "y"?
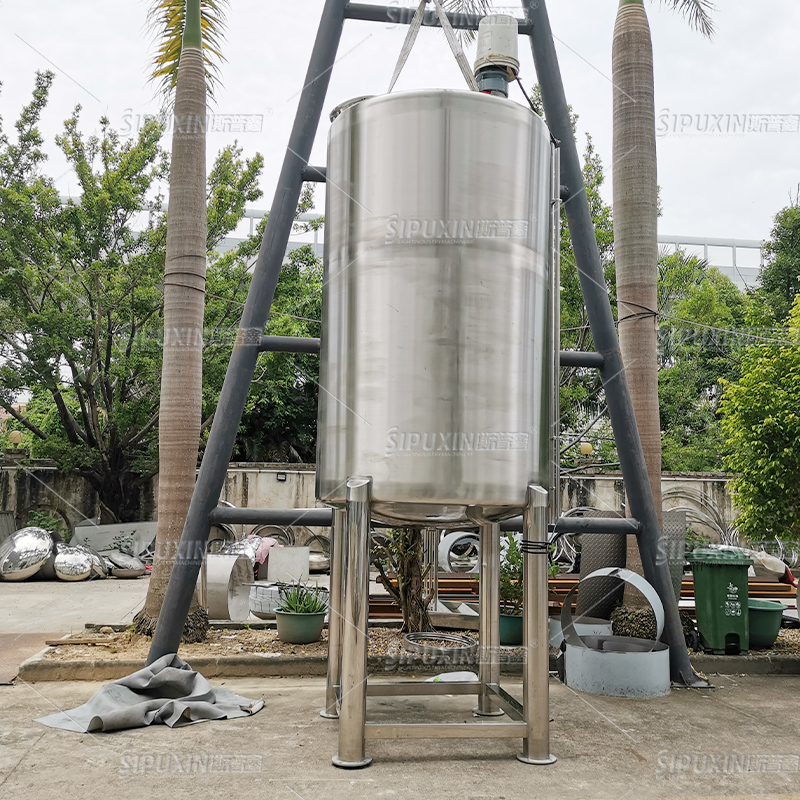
{"x": 779, "y": 280}
{"x": 81, "y": 298}
{"x": 761, "y": 423}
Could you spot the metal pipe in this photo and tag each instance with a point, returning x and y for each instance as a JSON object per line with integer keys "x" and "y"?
{"x": 489, "y": 619}
{"x": 398, "y": 15}
{"x": 335, "y": 607}
{"x": 601, "y": 322}
{"x": 289, "y": 344}
{"x": 353, "y": 705}
{"x": 536, "y": 639}
{"x": 578, "y": 358}
{"x": 242, "y": 365}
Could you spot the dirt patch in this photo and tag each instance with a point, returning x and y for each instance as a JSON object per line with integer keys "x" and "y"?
{"x": 220, "y": 642}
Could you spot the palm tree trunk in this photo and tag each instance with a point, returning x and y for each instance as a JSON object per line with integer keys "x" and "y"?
{"x": 635, "y": 230}
{"x": 184, "y": 301}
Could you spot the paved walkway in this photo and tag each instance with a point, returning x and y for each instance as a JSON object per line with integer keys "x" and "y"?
{"x": 741, "y": 740}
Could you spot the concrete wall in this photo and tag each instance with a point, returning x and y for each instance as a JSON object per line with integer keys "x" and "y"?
{"x": 41, "y": 486}
{"x": 704, "y": 496}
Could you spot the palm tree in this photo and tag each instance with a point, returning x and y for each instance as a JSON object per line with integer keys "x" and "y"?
{"x": 183, "y": 65}
{"x": 635, "y": 216}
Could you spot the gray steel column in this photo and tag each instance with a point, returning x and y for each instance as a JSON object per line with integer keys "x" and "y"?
{"x": 335, "y": 608}
{"x": 242, "y": 365}
{"x": 536, "y": 639}
{"x": 489, "y": 621}
{"x": 601, "y": 322}
{"x": 353, "y": 705}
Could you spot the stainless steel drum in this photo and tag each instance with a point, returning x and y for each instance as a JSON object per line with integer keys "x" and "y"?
{"x": 435, "y": 362}
{"x": 24, "y": 552}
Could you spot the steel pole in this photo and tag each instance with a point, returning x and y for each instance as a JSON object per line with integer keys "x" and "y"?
{"x": 241, "y": 367}
{"x": 555, "y": 336}
{"x": 335, "y": 608}
{"x": 353, "y": 704}
{"x": 489, "y": 620}
{"x": 536, "y": 639}
{"x": 601, "y": 322}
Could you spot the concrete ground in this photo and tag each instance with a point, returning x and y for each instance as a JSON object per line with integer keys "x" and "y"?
{"x": 740, "y": 740}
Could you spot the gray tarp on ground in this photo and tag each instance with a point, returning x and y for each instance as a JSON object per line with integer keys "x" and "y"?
{"x": 167, "y": 692}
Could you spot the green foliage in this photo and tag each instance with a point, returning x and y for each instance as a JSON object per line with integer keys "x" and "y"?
{"x": 41, "y": 519}
{"x": 698, "y": 306}
{"x": 81, "y": 304}
{"x": 779, "y": 281}
{"x": 761, "y": 423}
{"x": 302, "y": 599}
{"x": 511, "y": 588}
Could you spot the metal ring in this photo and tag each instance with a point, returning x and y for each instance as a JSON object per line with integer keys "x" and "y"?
{"x": 416, "y": 643}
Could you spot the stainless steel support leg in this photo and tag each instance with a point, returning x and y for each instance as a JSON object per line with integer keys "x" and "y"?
{"x": 353, "y": 706}
{"x": 335, "y": 608}
{"x": 535, "y": 686}
{"x": 489, "y": 623}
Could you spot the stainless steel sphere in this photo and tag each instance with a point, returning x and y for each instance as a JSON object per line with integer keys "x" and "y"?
{"x": 24, "y": 552}
{"x": 72, "y": 564}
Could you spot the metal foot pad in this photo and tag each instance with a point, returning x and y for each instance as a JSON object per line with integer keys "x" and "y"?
{"x": 476, "y": 712}
{"x": 329, "y": 714}
{"x": 365, "y": 762}
{"x": 551, "y": 759}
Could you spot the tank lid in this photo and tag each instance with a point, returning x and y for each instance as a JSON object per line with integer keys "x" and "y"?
{"x": 347, "y": 103}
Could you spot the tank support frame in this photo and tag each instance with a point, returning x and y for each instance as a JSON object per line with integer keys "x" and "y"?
{"x": 250, "y": 342}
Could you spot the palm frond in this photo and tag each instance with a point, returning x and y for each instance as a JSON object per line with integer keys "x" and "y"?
{"x": 166, "y": 20}
{"x": 698, "y": 12}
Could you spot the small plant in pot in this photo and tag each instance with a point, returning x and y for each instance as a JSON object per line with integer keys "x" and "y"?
{"x": 301, "y": 614}
{"x": 511, "y": 591}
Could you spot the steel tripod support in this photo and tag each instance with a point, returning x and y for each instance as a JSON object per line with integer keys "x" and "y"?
{"x": 242, "y": 365}
{"x": 353, "y": 703}
{"x": 601, "y": 322}
{"x": 335, "y": 614}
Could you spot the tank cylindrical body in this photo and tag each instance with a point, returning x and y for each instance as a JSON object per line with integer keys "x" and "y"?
{"x": 435, "y": 364}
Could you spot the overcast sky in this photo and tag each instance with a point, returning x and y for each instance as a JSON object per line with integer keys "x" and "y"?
{"x": 728, "y": 183}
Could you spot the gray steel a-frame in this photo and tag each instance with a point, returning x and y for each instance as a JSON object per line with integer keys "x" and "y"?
{"x": 250, "y": 340}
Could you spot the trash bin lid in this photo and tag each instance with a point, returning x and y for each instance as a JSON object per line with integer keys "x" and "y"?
{"x": 710, "y": 555}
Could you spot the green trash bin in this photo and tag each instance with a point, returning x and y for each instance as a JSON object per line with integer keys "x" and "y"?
{"x": 720, "y": 596}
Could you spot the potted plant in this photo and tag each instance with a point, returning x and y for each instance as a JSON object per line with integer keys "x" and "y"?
{"x": 301, "y": 613}
{"x": 511, "y": 591}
